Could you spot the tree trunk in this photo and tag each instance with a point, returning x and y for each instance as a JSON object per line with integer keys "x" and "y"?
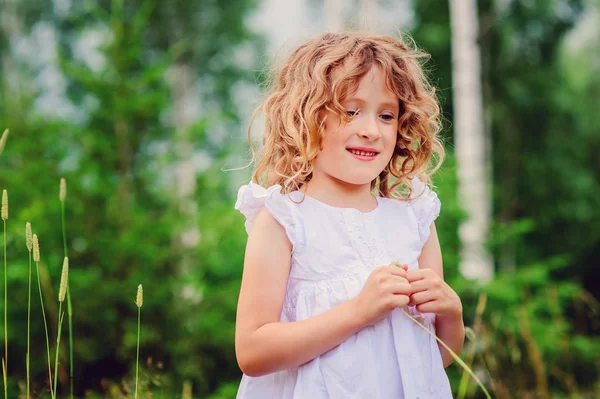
{"x": 189, "y": 236}
{"x": 367, "y": 14}
{"x": 470, "y": 142}
{"x": 333, "y": 13}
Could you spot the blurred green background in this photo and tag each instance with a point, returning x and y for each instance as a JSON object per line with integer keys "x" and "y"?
{"x": 142, "y": 105}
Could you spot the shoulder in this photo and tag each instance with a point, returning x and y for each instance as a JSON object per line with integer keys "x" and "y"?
{"x": 269, "y": 230}
{"x": 426, "y": 206}
{"x": 269, "y": 207}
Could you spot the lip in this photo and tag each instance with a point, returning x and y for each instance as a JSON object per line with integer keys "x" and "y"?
{"x": 365, "y": 149}
{"x": 363, "y": 157}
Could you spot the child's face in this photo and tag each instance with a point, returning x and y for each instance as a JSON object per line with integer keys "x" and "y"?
{"x": 356, "y": 152}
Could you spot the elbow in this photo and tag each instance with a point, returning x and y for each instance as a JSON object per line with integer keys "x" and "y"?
{"x": 246, "y": 365}
{"x": 250, "y": 364}
{"x": 251, "y": 367}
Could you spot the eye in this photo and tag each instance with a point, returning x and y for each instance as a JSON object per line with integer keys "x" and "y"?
{"x": 351, "y": 114}
{"x": 387, "y": 117}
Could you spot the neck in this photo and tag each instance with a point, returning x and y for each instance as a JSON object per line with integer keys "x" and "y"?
{"x": 340, "y": 194}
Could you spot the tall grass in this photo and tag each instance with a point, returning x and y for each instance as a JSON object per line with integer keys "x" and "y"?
{"x": 36, "y": 259}
{"x": 62, "y": 197}
{"x": 3, "y": 140}
{"x": 5, "y": 359}
{"x": 64, "y": 278}
{"x": 29, "y": 244}
{"x": 4, "y": 370}
{"x": 139, "y": 301}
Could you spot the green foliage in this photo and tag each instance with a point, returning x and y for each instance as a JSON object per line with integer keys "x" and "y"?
{"x": 123, "y": 221}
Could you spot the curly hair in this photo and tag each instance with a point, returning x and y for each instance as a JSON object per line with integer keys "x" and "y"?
{"x": 304, "y": 87}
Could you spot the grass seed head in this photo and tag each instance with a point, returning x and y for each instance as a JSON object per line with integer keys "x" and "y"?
{"x": 36, "y": 249}
{"x": 4, "y": 205}
{"x": 63, "y": 190}
{"x": 28, "y": 237}
{"x": 64, "y": 280}
{"x": 3, "y": 140}
{"x": 139, "y": 299}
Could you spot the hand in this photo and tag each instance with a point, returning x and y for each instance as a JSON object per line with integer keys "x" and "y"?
{"x": 431, "y": 294}
{"x": 385, "y": 290}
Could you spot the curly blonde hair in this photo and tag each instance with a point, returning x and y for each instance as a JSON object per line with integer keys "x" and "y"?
{"x": 305, "y": 87}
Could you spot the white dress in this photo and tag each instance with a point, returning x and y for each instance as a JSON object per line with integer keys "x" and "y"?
{"x": 334, "y": 252}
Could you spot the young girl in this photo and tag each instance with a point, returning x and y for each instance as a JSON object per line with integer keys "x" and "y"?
{"x": 320, "y": 307}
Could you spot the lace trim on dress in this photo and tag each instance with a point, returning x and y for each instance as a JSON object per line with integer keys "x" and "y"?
{"x": 365, "y": 239}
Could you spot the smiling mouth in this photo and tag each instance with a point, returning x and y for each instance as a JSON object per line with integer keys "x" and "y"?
{"x": 362, "y": 153}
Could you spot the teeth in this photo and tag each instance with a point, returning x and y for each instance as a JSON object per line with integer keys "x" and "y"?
{"x": 363, "y": 153}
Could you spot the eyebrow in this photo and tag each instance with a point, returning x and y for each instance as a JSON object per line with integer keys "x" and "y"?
{"x": 389, "y": 104}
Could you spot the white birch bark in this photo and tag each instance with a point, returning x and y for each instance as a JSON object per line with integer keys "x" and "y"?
{"x": 10, "y": 24}
{"x": 333, "y": 13}
{"x": 367, "y": 14}
{"x": 182, "y": 80}
{"x": 470, "y": 141}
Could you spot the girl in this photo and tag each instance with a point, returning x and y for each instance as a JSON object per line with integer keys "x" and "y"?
{"x": 318, "y": 313}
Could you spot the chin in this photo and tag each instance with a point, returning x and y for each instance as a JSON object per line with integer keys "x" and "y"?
{"x": 358, "y": 180}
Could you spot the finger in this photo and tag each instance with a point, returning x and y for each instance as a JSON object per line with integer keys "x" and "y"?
{"x": 401, "y": 265}
{"x": 396, "y": 271}
{"x": 399, "y": 279}
{"x": 422, "y": 297}
{"x": 420, "y": 285}
{"x": 398, "y": 287}
{"x": 417, "y": 274}
{"x": 428, "y": 307}
{"x": 400, "y": 300}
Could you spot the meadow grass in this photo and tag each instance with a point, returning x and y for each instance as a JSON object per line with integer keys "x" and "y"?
{"x": 64, "y": 278}
{"x": 5, "y": 359}
{"x": 139, "y": 301}
{"x": 29, "y": 245}
{"x": 32, "y": 244}
{"x": 62, "y": 195}
{"x": 36, "y": 259}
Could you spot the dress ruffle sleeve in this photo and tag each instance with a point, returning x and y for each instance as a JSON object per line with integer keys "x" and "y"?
{"x": 426, "y": 207}
{"x": 252, "y": 197}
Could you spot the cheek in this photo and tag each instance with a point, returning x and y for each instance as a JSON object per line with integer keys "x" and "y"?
{"x": 390, "y": 143}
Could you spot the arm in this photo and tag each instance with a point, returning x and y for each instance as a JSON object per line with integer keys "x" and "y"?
{"x": 263, "y": 344}
{"x": 449, "y": 323}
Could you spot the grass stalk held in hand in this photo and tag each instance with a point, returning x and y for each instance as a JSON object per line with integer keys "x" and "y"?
{"x": 139, "y": 301}
{"x": 64, "y": 279}
{"x": 62, "y": 196}
{"x": 454, "y": 355}
{"x": 36, "y": 259}
{"x": 4, "y": 218}
{"x": 29, "y": 243}
{"x": 472, "y": 336}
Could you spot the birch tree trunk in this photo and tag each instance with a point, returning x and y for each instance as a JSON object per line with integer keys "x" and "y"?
{"x": 10, "y": 26}
{"x": 333, "y": 13}
{"x": 189, "y": 237}
{"x": 181, "y": 82}
{"x": 367, "y": 14}
{"x": 470, "y": 141}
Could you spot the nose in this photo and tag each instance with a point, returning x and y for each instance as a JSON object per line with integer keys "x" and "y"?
{"x": 370, "y": 128}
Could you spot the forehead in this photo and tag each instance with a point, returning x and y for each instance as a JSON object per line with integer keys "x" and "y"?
{"x": 353, "y": 84}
